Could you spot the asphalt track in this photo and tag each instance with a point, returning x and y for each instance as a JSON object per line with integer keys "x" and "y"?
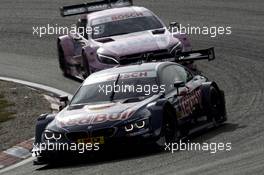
{"x": 239, "y": 69}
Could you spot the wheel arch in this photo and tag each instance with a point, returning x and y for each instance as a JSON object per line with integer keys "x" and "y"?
{"x": 205, "y": 97}
{"x": 157, "y": 109}
{"x": 42, "y": 121}
{"x": 66, "y": 44}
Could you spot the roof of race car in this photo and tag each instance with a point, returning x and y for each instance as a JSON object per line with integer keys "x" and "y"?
{"x": 114, "y": 11}
{"x": 152, "y": 68}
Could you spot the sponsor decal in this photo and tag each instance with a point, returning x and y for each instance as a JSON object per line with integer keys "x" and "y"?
{"x": 188, "y": 102}
{"x": 127, "y": 16}
{"x": 97, "y": 7}
{"x": 123, "y": 76}
{"x": 130, "y": 75}
{"x": 95, "y": 119}
{"x": 117, "y": 17}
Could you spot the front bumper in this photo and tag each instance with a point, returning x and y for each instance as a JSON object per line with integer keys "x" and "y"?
{"x": 130, "y": 140}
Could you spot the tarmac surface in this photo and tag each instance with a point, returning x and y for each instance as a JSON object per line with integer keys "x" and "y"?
{"x": 239, "y": 70}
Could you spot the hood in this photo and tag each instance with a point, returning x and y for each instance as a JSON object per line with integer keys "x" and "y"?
{"x": 134, "y": 43}
{"x": 83, "y": 117}
{"x": 96, "y": 116}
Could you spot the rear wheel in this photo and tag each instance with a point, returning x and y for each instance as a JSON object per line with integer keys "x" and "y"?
{"x": 85, "y": 67}
{"x": 62, "y": 61}
{"x": 215, "y": 107}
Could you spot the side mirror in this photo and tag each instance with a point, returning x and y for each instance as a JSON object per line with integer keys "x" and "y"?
{"x": 64, "y": 100}
{"x": 174, "y": 25}
{"x": 162, "y": 95}
{"x": 178, "y": 84}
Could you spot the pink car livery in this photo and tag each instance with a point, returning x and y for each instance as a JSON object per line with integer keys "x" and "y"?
{"x": 118, "y": 34}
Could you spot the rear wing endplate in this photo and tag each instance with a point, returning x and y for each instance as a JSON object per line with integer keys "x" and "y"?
{"x": 205, "y": 54}
{"x": 93, "y": 7}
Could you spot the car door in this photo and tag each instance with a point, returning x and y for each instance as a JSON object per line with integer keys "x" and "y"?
{"x": 188, "y": 95}
{"x": 169, "y": 75}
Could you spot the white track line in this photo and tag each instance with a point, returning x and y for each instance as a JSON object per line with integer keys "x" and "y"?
{"x": 37, "y": 86}
{"x": 23, "y": 162}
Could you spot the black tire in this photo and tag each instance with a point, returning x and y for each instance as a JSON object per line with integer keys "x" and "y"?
{"x": 170, "y": 131}
{"x": 40, "y": 161}
{"x": 62, "y": 61}
{"x": 85, "y": 66}
{"x": 215, "y": 106}
{"x": 223, "y": 107}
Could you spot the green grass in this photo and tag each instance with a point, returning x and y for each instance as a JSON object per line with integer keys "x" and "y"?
{"x": 4, "y": 114}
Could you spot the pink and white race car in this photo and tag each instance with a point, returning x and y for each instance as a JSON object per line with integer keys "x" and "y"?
{"x": 116, "y": 33}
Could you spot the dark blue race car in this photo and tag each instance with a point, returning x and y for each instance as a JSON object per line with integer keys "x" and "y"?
{"x": 151, "y": 102}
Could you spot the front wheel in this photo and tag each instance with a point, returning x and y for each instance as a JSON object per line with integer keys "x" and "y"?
{"x": 170, "y": 131}
{"x": 41, "y": 161}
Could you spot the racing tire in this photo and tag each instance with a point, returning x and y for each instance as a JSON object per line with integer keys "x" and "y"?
{"x": 215, "y": 106}
{"x": 62, "y": 61}
{"x": 223, "y": 107}
{"x": 40, "y": 161}
{"x": 170, "y": 131}
{"x": 85, "y": 66}
{"x": 46, "y": 159}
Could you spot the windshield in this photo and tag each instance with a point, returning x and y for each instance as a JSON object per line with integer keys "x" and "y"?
{"x": 126, "y": 26}
{"x": 123, "y": 89}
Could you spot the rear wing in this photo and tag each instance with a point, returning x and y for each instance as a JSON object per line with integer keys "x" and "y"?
{"x": 93, "y": 7}
{"x": 205, "y": 54}
{"x": 161, "y": 56}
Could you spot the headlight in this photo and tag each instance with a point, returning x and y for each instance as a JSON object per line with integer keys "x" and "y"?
{"x": 140, "y": 124}
{"x": 129, "y": 128}
{"x": 135, "y": 126}
{"x": 49, "y": 135}
{"x": 107, "y": 59}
